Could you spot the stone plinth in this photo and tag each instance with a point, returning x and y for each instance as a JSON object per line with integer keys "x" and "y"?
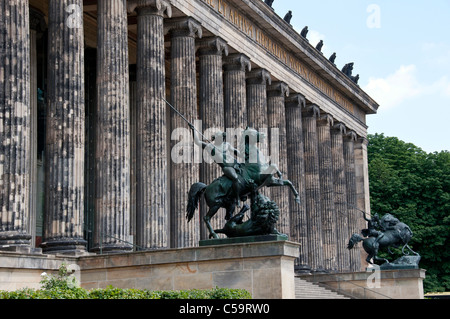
{"x": 20, "y": 269}
{"x": 264, "y": 269}
{"x": 242, "y": 240}
{"x": 385, "y": 284}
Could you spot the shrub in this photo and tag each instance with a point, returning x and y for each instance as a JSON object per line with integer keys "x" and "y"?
{"x": 65, "y": 286}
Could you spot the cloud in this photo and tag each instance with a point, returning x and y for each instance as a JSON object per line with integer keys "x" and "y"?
{"x": 404, "y": 85}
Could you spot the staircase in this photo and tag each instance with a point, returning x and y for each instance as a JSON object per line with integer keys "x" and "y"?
{"x": 308, "y": 290}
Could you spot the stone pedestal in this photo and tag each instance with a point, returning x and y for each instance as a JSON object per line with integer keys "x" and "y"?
{"x": 265, "y": 269}
{"x": 385, "y": 284}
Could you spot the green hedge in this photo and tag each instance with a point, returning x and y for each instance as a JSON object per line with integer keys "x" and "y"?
{"x": 65, "y": 286}
{"x": 116, "y": 293}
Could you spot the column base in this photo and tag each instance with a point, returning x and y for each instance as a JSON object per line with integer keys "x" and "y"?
{"x": 14, "y": 239}
{"x": 302, "y": 269}
{"x": 65, "y": 246}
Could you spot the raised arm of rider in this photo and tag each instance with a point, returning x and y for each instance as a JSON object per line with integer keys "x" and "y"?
{"x": 196, "y": 138}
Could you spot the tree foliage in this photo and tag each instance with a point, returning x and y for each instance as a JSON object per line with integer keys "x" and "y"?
{"x": 414, "y": 186}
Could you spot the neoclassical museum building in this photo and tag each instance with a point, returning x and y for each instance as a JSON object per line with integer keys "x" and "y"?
{"x": 86, "y": 134}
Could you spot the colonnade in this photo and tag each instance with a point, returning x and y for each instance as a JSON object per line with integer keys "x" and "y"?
{"x": 325, "y": 159}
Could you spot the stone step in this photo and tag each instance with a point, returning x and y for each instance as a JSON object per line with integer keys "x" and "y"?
{"x": 308, "y": 290}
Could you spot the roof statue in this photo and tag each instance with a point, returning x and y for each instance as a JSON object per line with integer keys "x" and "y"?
{"x": 269, "y": 2}
{"x": 288, "y": 16}
{"x": 319, "y": 46}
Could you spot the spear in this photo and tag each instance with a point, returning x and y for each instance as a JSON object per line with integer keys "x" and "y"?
{"x": 190, "y": 124}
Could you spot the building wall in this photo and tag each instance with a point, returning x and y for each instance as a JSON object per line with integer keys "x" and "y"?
{"x": 102, "y": 195}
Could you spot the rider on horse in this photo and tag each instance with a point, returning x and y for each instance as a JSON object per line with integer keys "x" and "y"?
{"x": 220, "y": 153}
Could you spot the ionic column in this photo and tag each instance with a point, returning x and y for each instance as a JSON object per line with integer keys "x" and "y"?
{"x": 329, "y": 232}
{"x": 65, "y": 138}
{"x": 276, "y": 95}
{"x": 15, "y": 121}
{"x": 362, "y": 174}
{"x": 212, "y": 112}
{"x": 183, "y": 93}
{"x": 112, "y": 200}
{"x": 257, "y": 81}
{"x": 296, "y": 172}
{"x": 362, "y": 186}
{"x": 235, "y": 97}
{"x": 152, "y": 211}
{"x": 37, "y": 28}
{"x": 340, "y": 196}
{"x": 312, "y": 187}
{"x": 353, "y": 215}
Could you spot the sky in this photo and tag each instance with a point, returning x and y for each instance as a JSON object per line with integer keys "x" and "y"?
{"x": 400, "y": 49}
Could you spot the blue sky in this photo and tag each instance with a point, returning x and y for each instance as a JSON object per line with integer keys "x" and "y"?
{"x": 401, "y": 49}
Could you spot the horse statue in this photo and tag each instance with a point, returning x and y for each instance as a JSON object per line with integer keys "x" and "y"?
{"x": 264, "y": 216}
{"x": 252, "y": 171}
{"x": 382, "y": 233}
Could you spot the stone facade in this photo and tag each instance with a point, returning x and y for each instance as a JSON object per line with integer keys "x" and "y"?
{"x": 230, "y": 64}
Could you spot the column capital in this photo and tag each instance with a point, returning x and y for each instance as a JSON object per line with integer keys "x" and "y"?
{"x": 237, "y": 62}
{"x": 278, "y": 89}
{"x": 350, "y": 136}
{"x": 296, "y": 100}
{"x": 362, "y": 140}
{"x": 184, "y": 27}
{"x": 212, "y": 46}
{"x": 155, "y": 7}
{"x": 339, "y": 128}
{"x": 311, "y": 110}
{"x": 259, "y": 76}
{"x": 326, "y": 120}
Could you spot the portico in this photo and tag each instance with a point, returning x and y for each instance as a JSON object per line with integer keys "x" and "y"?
{"x": 110, "y": 182}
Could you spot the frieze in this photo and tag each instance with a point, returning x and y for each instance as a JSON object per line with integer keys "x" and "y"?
{"x": 246, "y": 26}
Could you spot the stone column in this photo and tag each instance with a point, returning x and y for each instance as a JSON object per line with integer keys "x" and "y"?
{"x": 15, "y": 122}
{"x": 112, "y": 200}
{"x": 152, "y": 211}
{"x": 296, "y": 172}
{"x": 65, "y": 137}
{"x": 37, "y": 28}
{"x": 257, "y": 81}
{"x": 312, "y": 187}
{"x": 329, "y": 231}
{"x": 353, "y": 215}
{"x": 362, "y": 186}
{"x": 276, "y": 114}
{"x": 212, "y": 112}
{"x": 340, "y": 196}
{"x": 183, "y": 93}
{"x": 235, "y": 97}
{"x": 362, "y": 174}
